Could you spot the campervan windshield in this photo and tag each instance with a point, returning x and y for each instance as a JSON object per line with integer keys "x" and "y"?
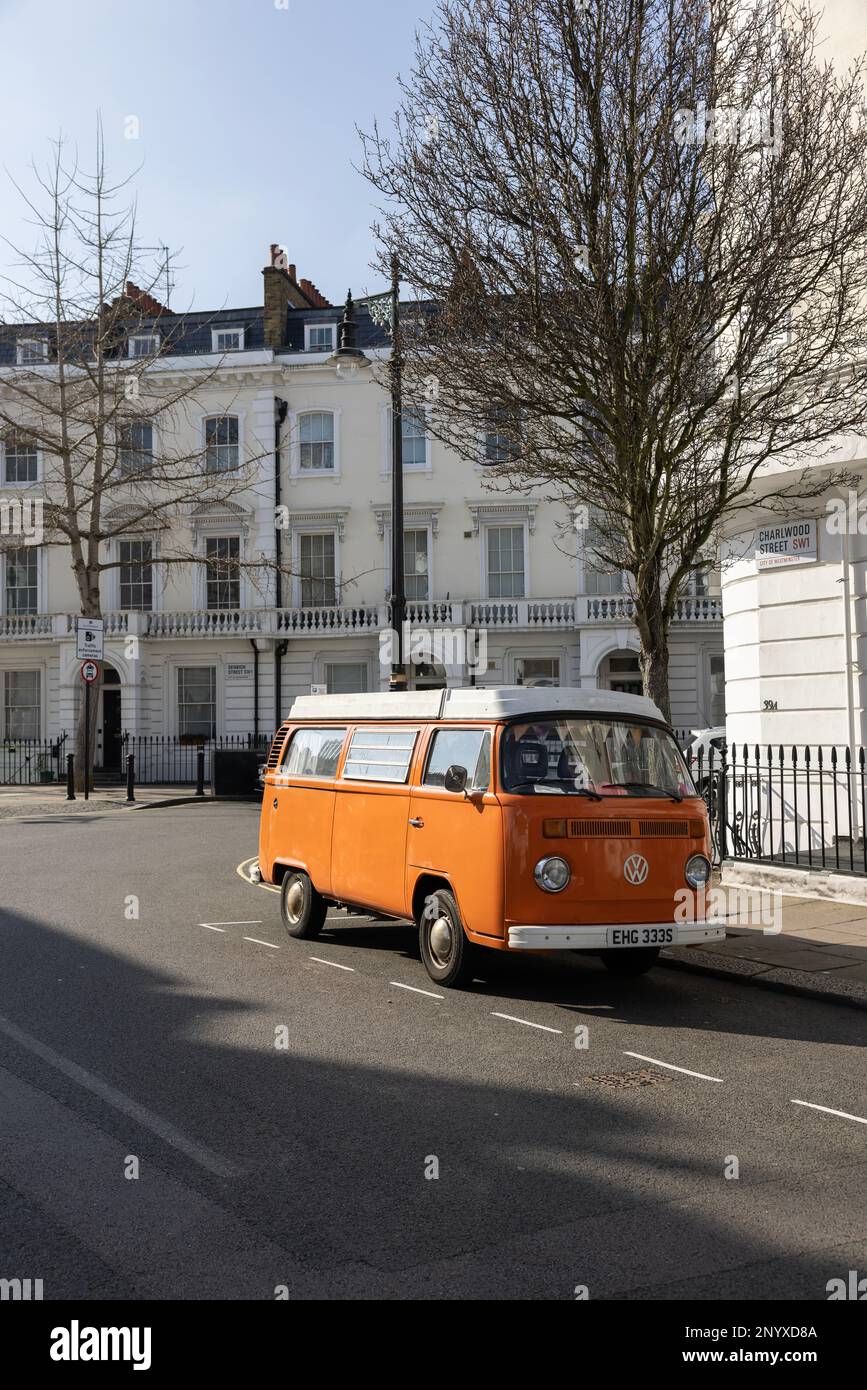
{"x": 572, "y": 754}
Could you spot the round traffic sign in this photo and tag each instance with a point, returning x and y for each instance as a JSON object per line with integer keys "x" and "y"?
{"x": 89, "y": 671}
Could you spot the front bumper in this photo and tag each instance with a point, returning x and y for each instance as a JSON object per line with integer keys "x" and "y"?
{"x": 595, "y": 938}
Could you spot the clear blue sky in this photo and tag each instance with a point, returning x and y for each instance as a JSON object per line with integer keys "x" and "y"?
{"x": 247, "y": 119}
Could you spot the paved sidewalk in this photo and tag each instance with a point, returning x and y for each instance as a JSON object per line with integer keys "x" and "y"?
{"x": 821, "y": 949}
{"x": 26, "y": 802}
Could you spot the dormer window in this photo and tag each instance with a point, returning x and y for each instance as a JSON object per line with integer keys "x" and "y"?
{"x": 144, "y": 345}
{"x": 319, "y": 337}
{"x": 227, "y": 339}
{"x": 31, "y": 352}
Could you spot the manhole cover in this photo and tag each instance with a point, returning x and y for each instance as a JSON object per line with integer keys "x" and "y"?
{"x": 622, "y": 1080}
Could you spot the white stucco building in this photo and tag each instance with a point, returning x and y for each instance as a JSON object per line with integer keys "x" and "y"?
{"x": 794, "y": 606}
{"x": 192, "y": 652}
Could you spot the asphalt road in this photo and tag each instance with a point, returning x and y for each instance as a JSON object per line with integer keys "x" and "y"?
{"x": 283, "y": 1102}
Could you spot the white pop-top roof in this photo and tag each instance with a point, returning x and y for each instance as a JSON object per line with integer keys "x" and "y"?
{"x": 500, "y": 702}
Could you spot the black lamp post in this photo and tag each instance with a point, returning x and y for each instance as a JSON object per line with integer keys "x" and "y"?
{"x": 398, "y": 679}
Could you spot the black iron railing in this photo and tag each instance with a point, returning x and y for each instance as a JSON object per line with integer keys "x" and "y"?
{"x": 25, "y": 762}
{"x": 801, "y": 806}
{"x": 173, "y": 760}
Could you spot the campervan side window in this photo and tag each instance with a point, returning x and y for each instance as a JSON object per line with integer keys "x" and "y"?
{"x": 379, "y": 755}
{"x": 313, "y": 752}
{"x": 469, "y": 748}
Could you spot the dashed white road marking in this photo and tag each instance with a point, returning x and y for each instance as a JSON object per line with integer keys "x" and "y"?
{"x": 210, "y": 927}
{"x": 333, "y": 964}
{"x": 430, "y": 994}
{"x": 526, "y": 1022}
{"x": 671, "y": 1067}
{"x": 204, "y": 1157}
{"x": 256, "y": 942}
{"x": 826, "y": 1109}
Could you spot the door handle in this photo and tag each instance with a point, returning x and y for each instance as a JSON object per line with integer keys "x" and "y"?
{"x": 417, "y": 822}
{"x": 275, "y": 803}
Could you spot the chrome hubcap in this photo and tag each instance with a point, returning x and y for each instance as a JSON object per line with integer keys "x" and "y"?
{"x": 440, "y": 939}
{"x": 294, "y": 902}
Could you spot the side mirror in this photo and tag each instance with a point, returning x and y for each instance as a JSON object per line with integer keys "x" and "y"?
{"x": 455, "y": 779}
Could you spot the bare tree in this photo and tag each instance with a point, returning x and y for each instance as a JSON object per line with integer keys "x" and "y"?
{"x": 642, "y": 228}
{"x": 91, "y": 386}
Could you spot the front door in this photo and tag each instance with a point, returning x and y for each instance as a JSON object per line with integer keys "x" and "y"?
{"x": 109, "y": 734}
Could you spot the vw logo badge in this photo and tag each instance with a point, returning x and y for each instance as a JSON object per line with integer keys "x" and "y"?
{"x": 636, "y": 869}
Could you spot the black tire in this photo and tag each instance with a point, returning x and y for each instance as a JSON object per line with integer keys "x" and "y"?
{"x": 634, "y": 961}
{"x": 448, "y": 956}
{"x": 302, "y": 909}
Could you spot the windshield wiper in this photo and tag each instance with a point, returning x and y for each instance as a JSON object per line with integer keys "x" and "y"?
{"x": 572, "y": 789}
{"x": 651, "y": 787}
{"x": 558, "y": 782}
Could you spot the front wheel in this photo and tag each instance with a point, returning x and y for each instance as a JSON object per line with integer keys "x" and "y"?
{"x": 302, "y": 909}
{"x": 630, "y": 962}
{"x": 445, "y": 950}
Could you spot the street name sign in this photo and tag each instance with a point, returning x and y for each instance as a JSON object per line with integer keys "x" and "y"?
{"x": 787, "y": 543}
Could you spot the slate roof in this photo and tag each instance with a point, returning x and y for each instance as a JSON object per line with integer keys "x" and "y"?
{"x": 190, "y": 333}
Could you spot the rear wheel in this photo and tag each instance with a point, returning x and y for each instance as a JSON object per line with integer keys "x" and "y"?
{"x": 302, "y": 909}
{"x": 630, "y": 962}
{"x": 447, "y": 954}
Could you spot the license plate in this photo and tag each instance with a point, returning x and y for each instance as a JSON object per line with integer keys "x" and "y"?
{"x": 640, "y": 936}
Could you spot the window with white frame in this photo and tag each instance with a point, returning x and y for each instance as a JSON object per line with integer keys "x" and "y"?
{"x": 227, "y": 339}
{"x": 316, "y": 561}
{"x": 537, "y": 670}
{"x": 144, "y": 345}
{"x": 320, "y": 337}
{"x": 136, "y": 575}
{"x": 316, "y": 441}
{"x": 21, "y": 708}
{"x": 698, "y": 584}
{"x": 31, "y": 352}
{"x": 505, "y": 562}
{"x": 346, "y": 677}
{"x": 599, "y": 580}
{"x": 21, "y": 583}
{"x": 222, "y": 571}
{"x": 135, "y": 448}
{"x": 414, "y": 431}
{"x": 716, "y": 711}
{"x": 197, "y": 701}
{"x": 222, "y": 443}
{"x": 499, "y": 446}
{"x": 20, "y": 461}
{"x": 416, "y": 564}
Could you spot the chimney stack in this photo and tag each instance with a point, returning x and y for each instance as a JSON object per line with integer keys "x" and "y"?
{"x": 280, "y": 290}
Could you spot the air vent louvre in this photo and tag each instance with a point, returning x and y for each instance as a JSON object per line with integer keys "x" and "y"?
{"x": 599, "y": 828}
{"x": 666, "y": 829}
{"x": 274, "y": 753}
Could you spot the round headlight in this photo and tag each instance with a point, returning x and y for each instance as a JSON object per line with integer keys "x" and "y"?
{"x": 552, "y": 874}
{"x": 697, "y": 871}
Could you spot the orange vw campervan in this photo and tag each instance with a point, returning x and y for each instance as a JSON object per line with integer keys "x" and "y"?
{"x": 520, "y": 819}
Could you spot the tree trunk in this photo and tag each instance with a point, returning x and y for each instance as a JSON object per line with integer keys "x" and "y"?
{"x": 653, "y": 630}
{"x": 88, "y": 584}
{"x": 79, "y": 731}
